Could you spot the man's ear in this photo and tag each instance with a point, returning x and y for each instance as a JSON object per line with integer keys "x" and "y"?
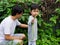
{"x": 17, "y": 14}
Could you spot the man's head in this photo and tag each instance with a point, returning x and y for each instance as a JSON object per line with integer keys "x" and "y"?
{"x": 17, "y": 11}
{"x": 34, "y": 10}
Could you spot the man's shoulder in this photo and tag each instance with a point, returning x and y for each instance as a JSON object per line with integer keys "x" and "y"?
{"x": 7, "y": 19}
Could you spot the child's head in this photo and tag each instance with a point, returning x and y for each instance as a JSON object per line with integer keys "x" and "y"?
{"x": 34, "y": 10}
{"x": 17, "y": 11}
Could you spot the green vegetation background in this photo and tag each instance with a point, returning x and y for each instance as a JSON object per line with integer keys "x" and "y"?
{"x": 48, "y": 19}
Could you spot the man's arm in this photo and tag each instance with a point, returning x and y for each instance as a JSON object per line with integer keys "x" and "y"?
{"x": 8, "y": 37}
{"x": 23, "y": 25}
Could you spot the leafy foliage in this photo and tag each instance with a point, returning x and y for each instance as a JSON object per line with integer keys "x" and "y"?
{"x": 48, "y": 19}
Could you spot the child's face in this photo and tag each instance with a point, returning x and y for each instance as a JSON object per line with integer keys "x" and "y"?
{"x": 34, "y": 12}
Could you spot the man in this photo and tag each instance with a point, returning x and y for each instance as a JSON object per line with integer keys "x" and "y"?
{"x": 7, "y": 28}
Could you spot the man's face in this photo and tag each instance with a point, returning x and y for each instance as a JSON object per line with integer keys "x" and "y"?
{"x": 19, "y": 15}
{"x": 35, "y": 12}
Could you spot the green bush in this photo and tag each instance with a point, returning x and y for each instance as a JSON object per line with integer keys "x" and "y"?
{"x": 48, "y": 19}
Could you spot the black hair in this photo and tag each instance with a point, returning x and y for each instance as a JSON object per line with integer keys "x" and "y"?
{"x": 16, "y": 9}
{"x": 34, "y": 6}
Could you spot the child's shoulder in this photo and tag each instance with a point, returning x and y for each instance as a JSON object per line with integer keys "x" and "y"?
{"x": 30, "y": 16}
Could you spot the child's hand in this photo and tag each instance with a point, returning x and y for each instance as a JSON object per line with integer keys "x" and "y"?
{"x": 32, "y": 20}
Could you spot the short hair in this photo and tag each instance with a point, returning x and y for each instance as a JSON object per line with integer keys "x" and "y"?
{"x": 16, "y": 9}
{"x": 34, "y": 6}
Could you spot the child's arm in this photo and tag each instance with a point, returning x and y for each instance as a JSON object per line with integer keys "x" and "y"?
{"x": 30, "y": 21}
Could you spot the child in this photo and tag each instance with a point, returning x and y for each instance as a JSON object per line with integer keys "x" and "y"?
{"x": 32, "y": 25}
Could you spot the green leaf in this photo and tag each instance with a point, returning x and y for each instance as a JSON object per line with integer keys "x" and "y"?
{"x": 53, "y": 19}
{"x": 57, "y": 10}
{"x": 58, "y": 32}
